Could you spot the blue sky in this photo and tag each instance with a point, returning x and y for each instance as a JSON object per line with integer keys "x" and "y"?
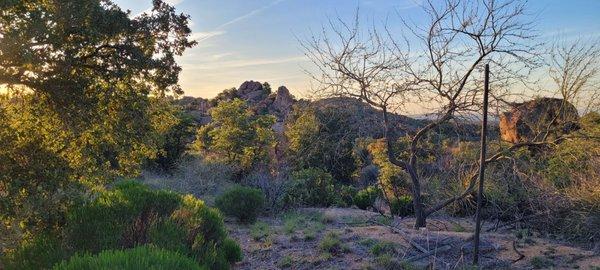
{"x": 256, "y": 39}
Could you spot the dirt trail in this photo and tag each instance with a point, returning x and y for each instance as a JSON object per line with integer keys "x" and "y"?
{"x": 344, "y": 238}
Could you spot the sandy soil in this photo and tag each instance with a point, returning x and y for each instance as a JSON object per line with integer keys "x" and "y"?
{"x": 367, "y": 240}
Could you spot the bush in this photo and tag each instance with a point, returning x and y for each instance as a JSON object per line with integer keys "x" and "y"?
{"x": 132, "y": 215}
{"x": 118, "y": 218}
{"x": 345, "y": 196}
{"x": 402, "y": 206}
{"x": 40, "y": 252}
{"x": 310, "y": 187}
{"x": 143, "y": 257}
{"x": 365, "y": 198}
{"x": 244, "y": 203}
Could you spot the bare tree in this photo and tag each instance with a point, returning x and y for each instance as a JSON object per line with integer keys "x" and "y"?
{"x": 575, "y": 70}
{"x": 433, "y": 66}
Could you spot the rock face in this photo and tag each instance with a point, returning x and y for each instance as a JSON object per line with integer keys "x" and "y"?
{"x": 529, "y": 121}
{"x": 282, "y": 105}
{"x": 252, "y": 91}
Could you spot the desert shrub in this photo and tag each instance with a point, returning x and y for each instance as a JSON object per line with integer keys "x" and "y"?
{"x": 345, "y": 196}
{"x": 169, "y": 235}
{"x": 332, "y": 244}
{"x": 131, "y": 215}
{"x": 195, "y": 175}
{"x": 272, "y": 187}
{"x": 40, "y": 252}
{"x": 310, "y": 187}
{"x": 142, "y": 257}
{"x": 118, "y": 218}
{"x": 402, "y": 206}
{"x": 381, "y": 248}
{"x": 365, "y": 198}
{"x": 233, "y": 252}
{"x": 260, "y": 231}
{"x": 244, "y": 203}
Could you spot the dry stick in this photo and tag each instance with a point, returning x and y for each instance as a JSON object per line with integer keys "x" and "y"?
{"x": 518, "y": 220}
{"x": 521, "y": 256}
{"x": 430, "y": 253}
{"x": 401, "y": 233}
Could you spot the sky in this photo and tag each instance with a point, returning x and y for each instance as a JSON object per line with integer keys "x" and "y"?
{"x": 257, "y": 40}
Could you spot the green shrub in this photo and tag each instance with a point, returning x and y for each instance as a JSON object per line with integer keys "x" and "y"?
{"x": 365, "y": 198}
{"x": 118, "y": 218}
{"x": 131, "y": 215}
{"x": 260, "y": 231}
{"x": 345, "y": 195}
{"x": 332, "y": 244}
{"x": 310, "y": 187}
{"x": 142, "y": 257}
{"x": 233, "y": 252}
{"x": 381, "y": 248}
{"x": 402, "y": 206}
{"x": 244, "y": 203}
{"x": 40, "y": 252}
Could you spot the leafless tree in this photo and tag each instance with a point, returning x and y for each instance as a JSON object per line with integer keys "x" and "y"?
{"x": 433, "y": 65}
{"x": 575, "y": 70}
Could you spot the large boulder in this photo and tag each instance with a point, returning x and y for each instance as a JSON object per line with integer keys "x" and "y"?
{"x": 252, "y": 91}
{"x": 529, "y": 121}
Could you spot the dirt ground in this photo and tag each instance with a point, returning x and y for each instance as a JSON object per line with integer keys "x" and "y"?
{"x": 345, "y": 238}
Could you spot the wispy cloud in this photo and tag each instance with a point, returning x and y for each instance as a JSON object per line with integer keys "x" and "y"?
{"x": 240, "y": 18}
{"x": 245, "y": 63}
{"x": 200, "y": 36}
{"x": 408, "y": 4}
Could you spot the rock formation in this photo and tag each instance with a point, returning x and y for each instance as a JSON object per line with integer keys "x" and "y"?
{"x": 252, "y": 91}
{"x": 529, "y": 121}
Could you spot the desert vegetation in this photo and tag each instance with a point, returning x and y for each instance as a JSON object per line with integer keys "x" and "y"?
{"x": 105, "y": 164}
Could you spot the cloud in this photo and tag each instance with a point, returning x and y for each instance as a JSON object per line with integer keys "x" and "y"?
{"x": 245, "y": 63}
{"x": 221, "y": 55}
{"x": 408, "y": 4}
{"x": 241, "y": 18}
{"x": 200, "y": 36}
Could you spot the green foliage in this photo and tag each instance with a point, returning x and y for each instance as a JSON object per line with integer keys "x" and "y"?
{"x": 320, "y": 138}
{"x": 244, "y": 203}
{"x": 332, "y": 244}
{"x": 365, "y": 198}
{"x": 310, "y": 187}
{"x": 539, "y": 262}
{"x": 173, "y": 128}
{"x": 402, "y": 206}
{"x": 119, "y": 218}
{"x": 237, "y": 134}
{"x": 345, "y": 196}
{"x": 392, "y": 180}
{"x": 260, "y": 231}
{"x": 233, "y": 252}
{"x": 82, "y": 114}
{"x": 131, "y": 215}
{"x": 41, "y": 252}
{"x": 381, "y": 248}
{"x": 142, "y": 257}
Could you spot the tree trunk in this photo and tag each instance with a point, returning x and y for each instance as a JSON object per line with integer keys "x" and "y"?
{"x": 420, "y": 214}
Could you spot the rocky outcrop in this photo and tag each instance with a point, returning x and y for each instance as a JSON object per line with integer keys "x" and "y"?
{"x": 529, "y": 121}
{"x": 252, "y": 91}
{"x": 283, "y": 102}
